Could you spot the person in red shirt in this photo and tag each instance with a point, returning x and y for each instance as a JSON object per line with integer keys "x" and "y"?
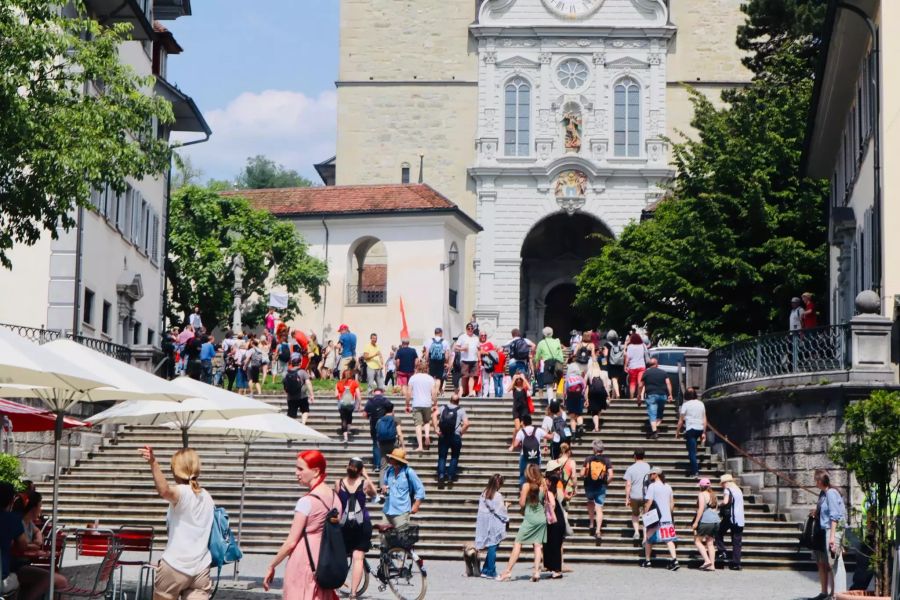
{"x": 488, "y": 356}
{"x": 808, "y": 318}
{"x": 348, "y": 397}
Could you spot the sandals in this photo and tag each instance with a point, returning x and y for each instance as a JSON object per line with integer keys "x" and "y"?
{"x": 535, "y": 578}
{"x": 707, "y": 567}
{"x": 504, "y": 576}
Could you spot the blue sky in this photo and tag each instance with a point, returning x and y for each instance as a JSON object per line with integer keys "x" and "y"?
{"x": 262, "y": 73}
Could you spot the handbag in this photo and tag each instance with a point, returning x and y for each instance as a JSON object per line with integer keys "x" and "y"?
{"x": 650, "y": 518}
{"x": 530, "y": 404}
{"x": 808, "y": 535}
{"x": 548, "y": 510}
{"x": 569, "y": 531}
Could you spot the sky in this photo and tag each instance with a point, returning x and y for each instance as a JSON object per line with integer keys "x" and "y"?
{"x": 262, "y": 73}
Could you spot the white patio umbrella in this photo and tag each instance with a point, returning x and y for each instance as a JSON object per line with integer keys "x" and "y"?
{"x": 250, "y": 429}
{"x": 59, "y": 382}
{"x": 205, "y": 402}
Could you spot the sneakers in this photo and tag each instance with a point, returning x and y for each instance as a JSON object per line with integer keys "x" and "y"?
{"x": 636, "y": 537}
{"x": 646, "y": 564}
{"x": 735, "y": 567}
{"x": 673, "y": 565}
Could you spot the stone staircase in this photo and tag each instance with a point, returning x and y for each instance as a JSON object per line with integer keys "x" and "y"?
{"x": 113, "y": 484}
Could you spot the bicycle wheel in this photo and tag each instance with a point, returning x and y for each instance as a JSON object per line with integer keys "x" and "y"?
{"x": 346, "y": 590}
{"x": 405, "y": 575}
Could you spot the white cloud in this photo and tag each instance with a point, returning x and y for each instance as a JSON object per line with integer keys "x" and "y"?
{"x": 291, "y": 128}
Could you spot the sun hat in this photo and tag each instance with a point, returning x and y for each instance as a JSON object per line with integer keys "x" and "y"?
{"x": 399, "y": 454}
{"x": 343, "y": 326}
{"x": 726, "y": 478}
{"x": 796, "y": 300}
{"x": 656, "y": 471}
{"x": 705, "y": 482}
{"x": 553, "y": 465}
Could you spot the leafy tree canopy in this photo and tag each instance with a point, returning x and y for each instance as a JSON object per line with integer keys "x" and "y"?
{"x": 207, "y": 232}
{"x": 56, "y": 141}
{"x": 261, "y": 172}
{"x": 741, "y": 233}
{"x": 772, "y": 23}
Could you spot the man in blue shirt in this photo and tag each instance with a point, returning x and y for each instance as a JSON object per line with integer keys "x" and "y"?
{"x": 207, "y": 353}
{"x": 346, "y": 346}
{"x": 403, "y": 488}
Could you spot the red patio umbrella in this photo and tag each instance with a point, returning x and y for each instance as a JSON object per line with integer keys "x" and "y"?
{"x": 27, "y": 418}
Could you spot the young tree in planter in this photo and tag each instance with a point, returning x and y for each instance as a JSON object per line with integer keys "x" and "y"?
{"x": 870, "y": 450}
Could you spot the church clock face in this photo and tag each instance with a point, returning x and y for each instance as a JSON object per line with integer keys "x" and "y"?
{"x": 573, "y": 9}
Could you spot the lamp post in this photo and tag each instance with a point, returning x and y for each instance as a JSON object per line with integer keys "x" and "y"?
{"x": 453, "y": 256}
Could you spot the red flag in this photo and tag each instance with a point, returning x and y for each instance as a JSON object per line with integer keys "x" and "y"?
{"x": 404, "y": 333}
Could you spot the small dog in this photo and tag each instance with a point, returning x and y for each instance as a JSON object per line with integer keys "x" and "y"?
{"x": 473, "y": 564}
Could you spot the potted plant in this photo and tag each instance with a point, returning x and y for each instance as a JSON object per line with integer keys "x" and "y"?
{"x": 869, "y": 448}
{"x": 11, "y": 470}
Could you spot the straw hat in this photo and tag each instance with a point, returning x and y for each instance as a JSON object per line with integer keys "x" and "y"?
{"x": 553, "y": 465}
{"x": 726, "y": 478}
{"x": 399, "y": 454}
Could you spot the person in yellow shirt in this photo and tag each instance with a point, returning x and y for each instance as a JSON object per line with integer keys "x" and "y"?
{"x": 374, "y": 363}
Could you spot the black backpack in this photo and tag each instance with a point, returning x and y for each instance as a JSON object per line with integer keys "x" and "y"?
{"x": 598, "y": 394}
{"x": 284, "y": 352}
{"x": 331, "y": 570}
{"x": 583, "y": 356}
{"x": 447, "y": 422}
{"x": 560, "y": 428}
{"x": 292, "y": 384}
{"x": 519, "y": 349}
{"x": 531, "y": 447}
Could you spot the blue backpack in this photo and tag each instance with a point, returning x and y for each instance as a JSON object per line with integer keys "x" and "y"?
{"x": 386, "y": 429}
{"x": 222, "y": 546}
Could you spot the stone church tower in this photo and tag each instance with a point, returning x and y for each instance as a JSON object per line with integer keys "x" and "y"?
{"x": 545, "y": 120}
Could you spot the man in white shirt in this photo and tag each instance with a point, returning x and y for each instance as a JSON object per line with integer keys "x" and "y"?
{"x": 794, "y": 320}
{"x": 531, "y": 449}
{"x": 421, "y": 400}
{"x": 693, "y": 417}
{"x": 195, "y": 320}
{"x": 467, "y": 346}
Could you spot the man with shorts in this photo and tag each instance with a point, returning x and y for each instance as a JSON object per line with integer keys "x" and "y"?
{"x": 421, "y": 400}
{"x": 298, "y": 387}
{"x": 405, "y": 358}
{"x": 467, "y": 346}
{"x": 634, "y": 489}
{"x": 346, "y": 347}
{"x": 520, "y": 350}
{"x": 656, "y": 392}
{"x": 597, "y": 472}
{"x": 437, "y": 351}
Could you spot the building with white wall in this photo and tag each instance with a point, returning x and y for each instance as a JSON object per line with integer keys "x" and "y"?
{"x": 104, "y": 278}
{"x": 382, "y": 243}
{"x": 853, "y": 139}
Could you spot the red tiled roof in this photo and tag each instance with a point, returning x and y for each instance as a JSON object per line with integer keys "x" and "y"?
{"x": 346, "y": 199}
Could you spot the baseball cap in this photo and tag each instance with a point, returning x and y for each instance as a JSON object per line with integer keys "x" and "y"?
{"x": 343, "y": 326}
{"x": 704, "y": 482}
{"x": 656, "y": 471}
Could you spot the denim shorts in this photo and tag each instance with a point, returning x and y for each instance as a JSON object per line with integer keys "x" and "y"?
{"x": 656, "y": 404}
{"x": 596, "y": 495}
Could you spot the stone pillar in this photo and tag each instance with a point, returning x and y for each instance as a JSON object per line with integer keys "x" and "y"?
{"x": 870, "y": 342}
{"x": 146, "y": 357}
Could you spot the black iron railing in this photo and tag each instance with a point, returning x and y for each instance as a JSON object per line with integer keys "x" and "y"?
{"x": 42, "y": 336}
{"x": 366, "y": 295}
{"x": 808, "y": 351}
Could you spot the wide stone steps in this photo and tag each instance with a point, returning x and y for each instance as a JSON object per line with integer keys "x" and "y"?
{"x": 113, "y": 484}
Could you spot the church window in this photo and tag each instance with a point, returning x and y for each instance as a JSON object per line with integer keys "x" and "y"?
{"x": 518, "y": 117}
{"x": 572, "y": 73}
{"x": 404, "y": 173}
{"x": 627, "y": 118}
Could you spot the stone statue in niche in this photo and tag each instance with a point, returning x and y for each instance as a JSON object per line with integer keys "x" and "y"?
{"x": 571, "y": 184}
{"x": 572, "y": 123}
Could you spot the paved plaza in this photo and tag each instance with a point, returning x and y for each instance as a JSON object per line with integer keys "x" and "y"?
{"x": 445, "y": 580}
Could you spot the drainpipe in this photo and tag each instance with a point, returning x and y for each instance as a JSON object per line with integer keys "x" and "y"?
{"x": 876, "y": 205}
{"x": 79, "y": 237}
{"x": 325, "y": 287}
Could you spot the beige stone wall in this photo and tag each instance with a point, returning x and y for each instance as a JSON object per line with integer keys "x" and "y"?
{"x": 406, "y": 39}
{"x": 703, "y": 49}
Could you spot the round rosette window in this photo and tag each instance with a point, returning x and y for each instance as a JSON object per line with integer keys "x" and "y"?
{"x": 572, "y": 73}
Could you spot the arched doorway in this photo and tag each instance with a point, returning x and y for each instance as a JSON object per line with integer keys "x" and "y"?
{"x": 554, "y": 252}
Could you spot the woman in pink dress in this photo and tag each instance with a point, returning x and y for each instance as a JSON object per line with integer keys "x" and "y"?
{"x": 309, "y": 519}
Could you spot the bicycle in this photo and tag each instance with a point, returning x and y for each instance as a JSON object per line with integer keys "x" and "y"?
{"x": 399, "y": 567}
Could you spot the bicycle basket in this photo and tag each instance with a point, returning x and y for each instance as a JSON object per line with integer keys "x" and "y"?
{"x": 405, "y": 537}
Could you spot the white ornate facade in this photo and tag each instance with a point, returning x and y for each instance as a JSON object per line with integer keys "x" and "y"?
{"x": 571, "y": 121}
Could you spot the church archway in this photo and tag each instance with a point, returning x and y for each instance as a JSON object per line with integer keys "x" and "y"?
{"x": 553, "y": 253}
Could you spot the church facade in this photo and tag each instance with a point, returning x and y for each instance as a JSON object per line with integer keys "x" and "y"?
{"x": 545, "y": 120}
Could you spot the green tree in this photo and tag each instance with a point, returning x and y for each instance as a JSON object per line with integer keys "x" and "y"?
{"x": 739, "y": 235}
{"x": 869, "y": 448}
{"x": 771, "y": 24}
{"x": 261, "y": 172}
{"x": 56, "y": 141}
{"x": 207, "y": 232}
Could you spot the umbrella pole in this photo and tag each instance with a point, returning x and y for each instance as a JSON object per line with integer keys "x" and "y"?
{"x": 57, "y": 435}
{"x": 241, "y": 510}
{"x": 184, "y": 437}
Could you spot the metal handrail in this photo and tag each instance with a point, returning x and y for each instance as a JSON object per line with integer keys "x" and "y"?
{"x": 366, "y": 294}
{"x": 805, "y": 351}
{"x": 42, "y": 336}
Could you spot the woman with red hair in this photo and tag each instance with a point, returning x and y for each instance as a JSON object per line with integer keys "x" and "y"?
{"x": 309, "y": 520}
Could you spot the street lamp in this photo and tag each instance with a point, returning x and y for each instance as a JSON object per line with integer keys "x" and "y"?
{"x": 453, "y": 256}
